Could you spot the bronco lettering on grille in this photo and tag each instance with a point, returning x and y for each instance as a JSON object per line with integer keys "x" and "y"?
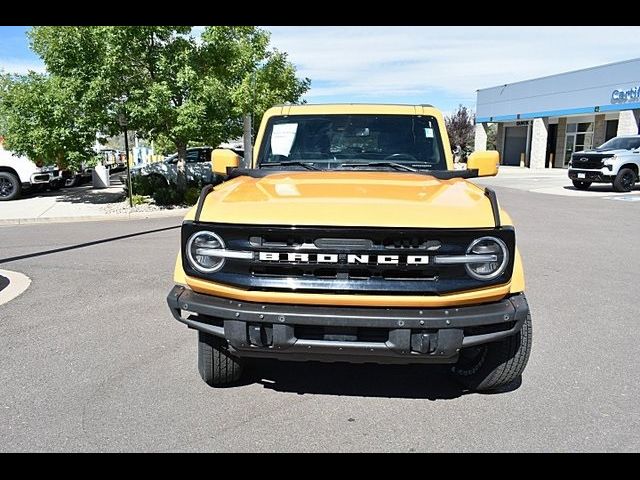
{"x": 334, "y": 258}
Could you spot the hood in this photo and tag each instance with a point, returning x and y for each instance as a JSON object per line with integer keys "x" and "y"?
{"x": 383, "y": 199}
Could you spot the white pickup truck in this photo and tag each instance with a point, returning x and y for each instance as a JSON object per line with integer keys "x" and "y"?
{"x": 19, "y": 173}
{"x": 615, "y": 161}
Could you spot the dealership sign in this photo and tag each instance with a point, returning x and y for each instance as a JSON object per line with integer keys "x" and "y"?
{"x": 626, "y": 96}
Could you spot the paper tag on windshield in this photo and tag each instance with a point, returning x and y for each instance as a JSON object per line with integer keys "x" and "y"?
{"x": 282, "y": 138}
{"x": 428, "y": 132}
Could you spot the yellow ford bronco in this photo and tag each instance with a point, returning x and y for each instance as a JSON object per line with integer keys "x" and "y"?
{"x": 351, "y": 238}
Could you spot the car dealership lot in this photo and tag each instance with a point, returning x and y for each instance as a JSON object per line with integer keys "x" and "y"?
{"x": 551, "y": 181}
{"x": 91, "y": 358}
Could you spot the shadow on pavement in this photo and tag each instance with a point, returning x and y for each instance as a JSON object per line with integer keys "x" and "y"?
{"x": 85, "y": 244}
{"x": 430, "y": 382}
{"x": 87, "y": 195}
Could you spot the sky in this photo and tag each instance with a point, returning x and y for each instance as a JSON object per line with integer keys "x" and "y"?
{"x": 443, "y": 66}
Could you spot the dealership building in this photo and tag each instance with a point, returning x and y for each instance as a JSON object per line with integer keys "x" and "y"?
{"x": 541, "y": 122}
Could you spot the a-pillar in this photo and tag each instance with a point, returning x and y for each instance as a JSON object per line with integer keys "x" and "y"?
{"x": 628, "y": 122}
{"x": 481, "y": 138}
{"x": 538, "y": 142}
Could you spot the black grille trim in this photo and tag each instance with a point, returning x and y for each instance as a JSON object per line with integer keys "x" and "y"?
{"x": 345, "y": 278}
{"x": 595, "y": 161}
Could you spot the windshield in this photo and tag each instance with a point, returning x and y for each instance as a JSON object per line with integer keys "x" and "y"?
{"x": 353, "y": 141}
{"x": 621, "y": 143}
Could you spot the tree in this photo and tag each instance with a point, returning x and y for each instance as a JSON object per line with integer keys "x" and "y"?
{"x": 460, "y": 128}
{"x": 171, "y": 86}
{"x": 43, "y": 119}
{"x": 258, "y": 77}
{"x": 492, "y": 136}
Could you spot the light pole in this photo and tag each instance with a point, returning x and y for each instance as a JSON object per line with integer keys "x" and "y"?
{"x": 122, "y": 119}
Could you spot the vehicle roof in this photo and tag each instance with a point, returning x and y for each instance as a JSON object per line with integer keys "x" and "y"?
{"x": 355, "y": 108}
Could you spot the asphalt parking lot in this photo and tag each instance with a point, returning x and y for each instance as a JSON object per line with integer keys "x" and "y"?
{"x": 91, "y": 359}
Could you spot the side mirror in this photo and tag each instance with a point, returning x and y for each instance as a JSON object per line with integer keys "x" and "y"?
{"x": 485, "y": 162}
{"x": 223, "y": 159}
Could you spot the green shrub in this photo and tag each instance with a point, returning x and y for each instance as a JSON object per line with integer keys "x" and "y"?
{"x": 139, "y": 199}
{"x": 144, "y": 184}
{"x": 167, "y": 196}
{"x": 191, "y": 195}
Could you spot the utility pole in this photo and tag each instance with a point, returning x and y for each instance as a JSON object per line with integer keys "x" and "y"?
{"x": 247, "y": 127}
{"x": 122, "y": 118}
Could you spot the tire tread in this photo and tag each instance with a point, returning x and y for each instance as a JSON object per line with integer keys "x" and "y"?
{"x": 505, "y": 361}
{"x": 217, "y": 366}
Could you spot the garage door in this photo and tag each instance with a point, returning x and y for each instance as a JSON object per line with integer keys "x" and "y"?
{"x": 515, "y": 144}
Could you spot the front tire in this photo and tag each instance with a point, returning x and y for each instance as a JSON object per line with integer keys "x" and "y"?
{"x": 10, "y": 186}
{"x": 494, "y": 365}
{"x": 625, "y": 180}
{"x": 217, "y": 366}
{"x": 580, "y": 185}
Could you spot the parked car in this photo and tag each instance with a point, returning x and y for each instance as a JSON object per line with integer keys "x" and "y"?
{"x": 197, "y": 167}
{"x": 616, "y": 161}
{"x": 19, "y": 174}
{"x": 353, "y": 239}
{"x": 113, "y": 159}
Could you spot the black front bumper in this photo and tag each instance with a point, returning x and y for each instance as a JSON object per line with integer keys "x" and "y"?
{"x": 591, "y": 176}
{"x": 351, "y": 334}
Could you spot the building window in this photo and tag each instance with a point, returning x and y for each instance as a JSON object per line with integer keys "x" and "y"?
{"x": 579, "y": 137}
{"x": 612, "y": 130}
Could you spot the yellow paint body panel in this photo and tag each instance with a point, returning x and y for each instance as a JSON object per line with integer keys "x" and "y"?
{"x": 352, "y": 198}
{"x": 370, "y": 199}
{"x": 517, "y": 277}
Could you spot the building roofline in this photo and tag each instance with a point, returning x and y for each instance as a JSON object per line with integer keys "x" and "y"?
{"x": 353, "y": 103}
{"x": 562, "y": 73}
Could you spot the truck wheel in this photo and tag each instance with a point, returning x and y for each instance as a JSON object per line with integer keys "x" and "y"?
{"x": 625, "y": 180}
{"x": 72, "y": 181}
{"x": 157, "y": 181}
{"x": 9, "y": 186}
{"x": 580, "y": 185}
{"x": 217, "y": 366}
{"x": 493, "y": 365}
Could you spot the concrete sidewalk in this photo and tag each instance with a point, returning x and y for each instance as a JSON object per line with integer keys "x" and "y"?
{"x": 77, "y": 204}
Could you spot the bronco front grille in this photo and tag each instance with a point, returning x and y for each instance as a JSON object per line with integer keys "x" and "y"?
{"x": 370, "y": 277}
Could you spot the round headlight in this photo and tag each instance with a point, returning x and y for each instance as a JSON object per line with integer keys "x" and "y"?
{"x": 493, "y": 247}
{"x": 199, "y": 248}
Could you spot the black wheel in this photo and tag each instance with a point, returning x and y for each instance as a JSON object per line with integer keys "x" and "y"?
{"x": 217, "y": 366}
{"x": 490, "y": 366}
{"x": 157, "y": 181}
{"x": 625, "y": 180}
{"x": 580, "y": 185}
{"x": 55, "y": 185}
{"x": 9, "y": 186}
{"x": 72, "y": 181}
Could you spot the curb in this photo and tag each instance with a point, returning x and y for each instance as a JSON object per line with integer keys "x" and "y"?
{"x": 18, "y": 283}
{"x": 178, "y": 212}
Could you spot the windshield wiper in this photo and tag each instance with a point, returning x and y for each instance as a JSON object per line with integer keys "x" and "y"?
{"x": 308, "y": 166}
{"x": 397, "y": 166}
